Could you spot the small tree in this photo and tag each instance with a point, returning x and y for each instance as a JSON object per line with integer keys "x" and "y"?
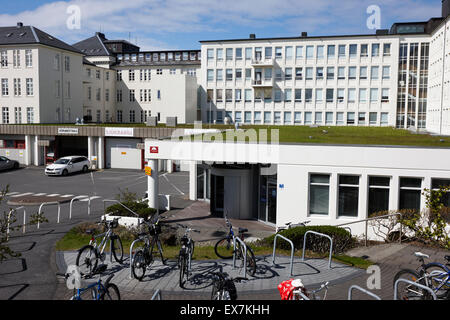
{"x": 7, "y": 226}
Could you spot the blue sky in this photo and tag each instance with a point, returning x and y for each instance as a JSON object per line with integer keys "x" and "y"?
{"x": 180, "y": 24}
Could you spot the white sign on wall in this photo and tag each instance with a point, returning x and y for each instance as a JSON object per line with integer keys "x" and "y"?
{"x": 67, "y": 130}
{"x": 119, "y": 132}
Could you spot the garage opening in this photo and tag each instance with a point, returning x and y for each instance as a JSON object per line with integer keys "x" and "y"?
{"x": 70, "y": 146}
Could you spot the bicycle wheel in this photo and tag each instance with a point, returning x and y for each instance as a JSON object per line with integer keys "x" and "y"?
{"x": 87, "y": 260}
{"x": 111, "y": 293}
{"x": 117, "y": 248}
{"x": 406, "y": 291}
{"x": 438, "y": 279}
{"x": 182, "y": 263}
{"x": 224, "y": 248}
{"x": 192, "y": 246}
{"x": 138, "y": 266}
{"x": 251, "y": 262}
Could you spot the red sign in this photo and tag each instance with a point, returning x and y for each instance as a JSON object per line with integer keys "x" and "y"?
{"x": 154, "y": 149}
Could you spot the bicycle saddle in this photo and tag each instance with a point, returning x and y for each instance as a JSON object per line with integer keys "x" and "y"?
{"x": 242, "y": 230}
{"x": 447, "y": 258}
{"x": 421, "y": 255}
{"x": 142, "y": 234}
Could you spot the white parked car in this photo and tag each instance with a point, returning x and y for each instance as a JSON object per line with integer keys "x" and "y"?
{"x": 66, "y": 165}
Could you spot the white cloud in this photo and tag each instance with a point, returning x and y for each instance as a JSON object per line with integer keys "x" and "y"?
{"x": 149, "y": 20}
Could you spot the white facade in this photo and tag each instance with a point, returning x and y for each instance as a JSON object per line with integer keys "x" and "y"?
{"x": 407, "y": 171}
{"x": 438, "y": 112}
{"x": 36, "y": 85}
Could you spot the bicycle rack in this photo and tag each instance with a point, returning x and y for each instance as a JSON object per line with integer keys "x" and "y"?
{"x": 157, "y": 295}
{"x": 245, "y": 254}
{"x": 117, "y": 201}
{"x": 350, "y": 292}
{"x": 71, "y": 204}
{"x": 292, "y": 249}
{"x": 322, "y": 235}
{"x": 131, "y": 255}
{"x": 9, "y": 218}
{"x": 49, "y": 203}
{"x": 418, "y": 285}
{"x": 89, "y": 204}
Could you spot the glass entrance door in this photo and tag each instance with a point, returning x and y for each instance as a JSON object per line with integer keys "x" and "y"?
{"x": 268, "y": 199}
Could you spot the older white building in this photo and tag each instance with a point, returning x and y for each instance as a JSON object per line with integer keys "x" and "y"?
{"x": 40, "y": 77}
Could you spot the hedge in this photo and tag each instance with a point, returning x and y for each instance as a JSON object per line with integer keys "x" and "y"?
{"x": 342, "y": 239}
{"x": 141, "y": 208}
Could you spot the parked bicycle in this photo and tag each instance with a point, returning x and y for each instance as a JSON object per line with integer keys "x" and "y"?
{"x": 433, "y": 275}
{"x": 98, "y": 290}
{"x": 89, "y": 255}
{"x": 295, "y": 290}
{"x": 290, "y": 225}
{"x": 223, "y": 287}
{"x": 225, "y": 249}
{"x": 185, "y": 255}
{"x": 143, "y": 258}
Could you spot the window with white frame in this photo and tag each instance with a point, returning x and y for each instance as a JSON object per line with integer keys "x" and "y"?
{"x": 348, "y": 196}
{"x": 319, "y": 194}
{"x": 320, "y": 52}
{"x": 17, "y": 87}
{"x": 28, "y": 58}
{"x": 16, "y": 58}
{"x": 410, "y": 193}
{"x": 257, "y": 117}
{"x": 5, "y": 115}
{"x": 29, "y": 86}
{"x": 287, "y": 117}
{"x": 308, "y": 117}
{"x": 30, "y": 115}
{"x": 437, "y": 184}
{"x": 119, "y": 116}
{"x": 299, "y": 52}
{"x": 329, "y": 118}
{"x": 288, "y": 53}
{"x": 363, "y": 73}
{"x": 5, "y": 88}
{"x": 378, "y": 194}
{"x": 67, "y": 63}
{"x": 331, "y": 51}
{"x": 297, "y": 117}
{"x": 373, "y": 118}
{"x": 18, "y": 115}
{"x": 4, "y": 59}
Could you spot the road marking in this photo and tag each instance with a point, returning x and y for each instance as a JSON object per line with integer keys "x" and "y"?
{"x": 67, "y": 196}
{"x": 92, "y": 198}
{"x": 39, "y": 194}
{"x": 22, "y": 194}
{"x": 174, "y": 186}
{"x": 53, "y": 195}
{"x": 11, "y": 193}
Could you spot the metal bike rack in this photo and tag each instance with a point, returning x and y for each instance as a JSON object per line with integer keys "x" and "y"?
{"x": 292, "y": 249}
{"x": 131, "y": 254}
{"x": 71, "y": 204}
{"x": 24, "y": 220}
{"x": 89, "y": 204}
{"x": 245, "y": 254}
{"x": 117, "y": 201}
{"x": 418, "y": 285}
{"x": 49, "y": 203}
{"x": 157, "y": 295}
{"x": 355, "y": 287}
{"x": 322, "y": 235}
{"x": 301, "y": 294}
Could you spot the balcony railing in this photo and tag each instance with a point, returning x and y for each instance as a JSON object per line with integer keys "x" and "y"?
{"x": 263, "y": 62}
{"x": 263, "y": 82}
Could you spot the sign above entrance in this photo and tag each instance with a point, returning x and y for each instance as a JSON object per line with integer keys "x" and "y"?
{"x": 67, "y": 130}
{"x": 119, "y": 132}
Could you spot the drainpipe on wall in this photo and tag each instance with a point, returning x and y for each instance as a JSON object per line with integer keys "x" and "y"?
{"x": 443, "y": 79}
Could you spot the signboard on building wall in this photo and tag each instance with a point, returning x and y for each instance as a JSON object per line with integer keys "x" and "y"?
{"x": 119, "y": 132}
{"x": 67, "y": 130}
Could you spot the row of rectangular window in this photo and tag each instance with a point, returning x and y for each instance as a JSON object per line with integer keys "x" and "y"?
{"x": 378, "y": 194}
{"x": 144, "y": 95}
{"x": 277, "y": 95}
{"x": 97, "y": 74}
{"x": 17, "y": 115}
{"x": 160, "y": 56}
{"x": 146, "y": 74}
{"x": 311, "y": 51}
{"x": 16, "y": 58}
{"x": 132, "y": 115}
{"x": 309, "y": 73}
{"x": 17, "y": 87}
{"x": 299, "y": 117}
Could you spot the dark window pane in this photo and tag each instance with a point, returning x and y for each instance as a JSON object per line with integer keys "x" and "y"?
{"x": 410, "y": 182}
{"x": 378, "y": 200}
{"x": 438, "y": 183}
{"x": 319, "y": 199}
{"x": 348, "y": 201}
{"x": 410, "y": 199}
{"x": 379, "y": 181}
{"x": 353, "y": 180}
{"x": 320, "y": 178}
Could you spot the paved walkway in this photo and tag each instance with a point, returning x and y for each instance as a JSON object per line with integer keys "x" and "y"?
{"x": 313, "y": 272}
{"x": 389, "y": 257}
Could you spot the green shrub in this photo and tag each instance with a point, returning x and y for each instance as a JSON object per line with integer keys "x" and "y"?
{"x": 141, "y": 208}
{"x": 342, "y": 239}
